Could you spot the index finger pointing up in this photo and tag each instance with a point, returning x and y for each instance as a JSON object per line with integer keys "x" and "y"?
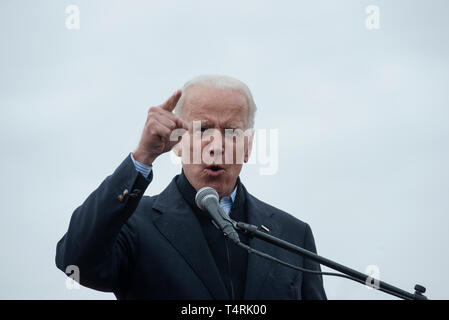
{"x": 170, "y": 104}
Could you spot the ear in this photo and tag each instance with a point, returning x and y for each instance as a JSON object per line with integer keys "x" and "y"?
{"x": 249, "y": 146}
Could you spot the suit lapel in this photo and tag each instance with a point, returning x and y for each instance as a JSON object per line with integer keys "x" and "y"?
{"x": 179, "y": 225}
{"x": 258, "y": 267}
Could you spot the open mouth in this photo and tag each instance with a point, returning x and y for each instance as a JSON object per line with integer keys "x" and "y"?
{"x": 215, "y": 170}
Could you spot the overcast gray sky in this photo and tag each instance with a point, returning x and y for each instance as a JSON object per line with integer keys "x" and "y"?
{"x": 362, "y": 118}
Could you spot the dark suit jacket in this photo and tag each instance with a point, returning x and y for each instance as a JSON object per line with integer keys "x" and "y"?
{"x": 154, "y": 248}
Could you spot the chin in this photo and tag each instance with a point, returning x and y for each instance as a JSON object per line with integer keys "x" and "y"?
{"x": 204, "y": 179}
{"x": 214, "y": 184}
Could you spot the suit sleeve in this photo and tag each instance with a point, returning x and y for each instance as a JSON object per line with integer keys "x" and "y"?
{"x": 312, "y": 286}
{"x": 98, "y": 241}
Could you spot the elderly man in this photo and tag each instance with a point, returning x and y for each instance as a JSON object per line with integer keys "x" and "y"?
{"x": 164, "y": 246}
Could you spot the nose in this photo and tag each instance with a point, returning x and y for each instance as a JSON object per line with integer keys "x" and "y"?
{"x": 216, "y": 146}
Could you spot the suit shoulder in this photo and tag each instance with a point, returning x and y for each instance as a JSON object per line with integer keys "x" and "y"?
{"x": 281, "y": 216}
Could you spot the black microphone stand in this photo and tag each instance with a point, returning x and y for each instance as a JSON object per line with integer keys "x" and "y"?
{"x": 253, "y": 231}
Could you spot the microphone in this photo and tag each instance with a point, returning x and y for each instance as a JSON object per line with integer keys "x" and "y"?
{"x": 207, "y": 199}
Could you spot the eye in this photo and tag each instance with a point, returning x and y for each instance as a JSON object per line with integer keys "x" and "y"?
{"x": 202, "y": 129}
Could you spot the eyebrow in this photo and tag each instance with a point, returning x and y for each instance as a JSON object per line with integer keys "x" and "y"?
{"x": 206, "y": 123}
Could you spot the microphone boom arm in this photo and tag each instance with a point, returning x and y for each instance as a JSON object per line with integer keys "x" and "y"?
{"x": 253, "y": 231}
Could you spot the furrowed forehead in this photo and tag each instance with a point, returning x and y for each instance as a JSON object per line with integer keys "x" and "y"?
{"x": 228, "y": 106}
{"x": 226, "y": 125}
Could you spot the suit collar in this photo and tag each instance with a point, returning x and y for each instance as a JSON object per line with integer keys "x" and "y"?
{"x": 258, "y": 267}
{"x": 181, "y": 227}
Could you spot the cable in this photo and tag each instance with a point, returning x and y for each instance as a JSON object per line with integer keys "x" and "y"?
{"x": 267, "y": 256}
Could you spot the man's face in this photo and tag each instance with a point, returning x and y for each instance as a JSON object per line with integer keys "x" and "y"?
{"x": 219, "y": 157}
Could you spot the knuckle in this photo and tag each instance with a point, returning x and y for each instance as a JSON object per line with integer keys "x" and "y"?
{"x": 151, "y": 131}
{"x": 151, "y": 122}
{"x": 167, "y": 114}
{"x": 152, "y": 109}
{"x": 172, "y": 125}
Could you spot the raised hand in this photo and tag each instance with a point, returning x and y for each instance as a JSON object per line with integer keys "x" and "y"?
{"x": 155, "y": 139}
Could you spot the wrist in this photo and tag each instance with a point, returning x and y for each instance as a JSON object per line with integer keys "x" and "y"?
{"x": 144, "y": 157}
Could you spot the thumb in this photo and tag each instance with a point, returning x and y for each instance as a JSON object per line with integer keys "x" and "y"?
{"x": 182, "y": 124}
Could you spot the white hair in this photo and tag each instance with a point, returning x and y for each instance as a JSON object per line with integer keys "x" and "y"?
{"x": 220, "y": 82}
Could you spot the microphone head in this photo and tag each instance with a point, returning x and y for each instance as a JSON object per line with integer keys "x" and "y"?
{"x": 203, "y": 194}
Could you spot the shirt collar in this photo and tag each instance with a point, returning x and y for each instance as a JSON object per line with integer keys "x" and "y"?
{"x": 230, "y": 198}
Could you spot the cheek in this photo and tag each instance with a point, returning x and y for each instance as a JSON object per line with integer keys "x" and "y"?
{"x": 234, "y": 170}
{"x": 236, "y": 150}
